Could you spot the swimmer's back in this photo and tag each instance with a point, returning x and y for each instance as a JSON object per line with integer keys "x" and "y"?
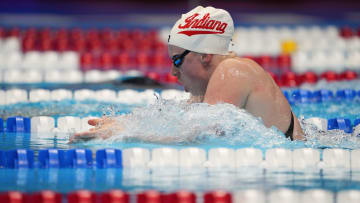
{"x": 257, "y": 91}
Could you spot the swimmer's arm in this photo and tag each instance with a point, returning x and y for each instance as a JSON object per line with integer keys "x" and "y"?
{"x": 109, "y": 126}
{"x": 103, "y": 128}
{"x": 230, "y": 83}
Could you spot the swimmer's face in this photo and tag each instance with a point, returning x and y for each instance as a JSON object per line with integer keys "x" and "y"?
{"x": 189, "y": 73}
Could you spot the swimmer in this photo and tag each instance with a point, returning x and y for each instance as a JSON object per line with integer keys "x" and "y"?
{"x": 199, "y": 47}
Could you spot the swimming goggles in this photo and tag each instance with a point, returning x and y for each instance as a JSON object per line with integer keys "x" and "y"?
{"x": 178, "y": 59}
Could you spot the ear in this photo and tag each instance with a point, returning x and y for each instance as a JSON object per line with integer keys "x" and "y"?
{"x": 205, "y": 59}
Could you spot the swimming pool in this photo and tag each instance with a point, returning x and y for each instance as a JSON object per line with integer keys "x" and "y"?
{"x": 54, "y": 93}
{"x": 264, "y": 168}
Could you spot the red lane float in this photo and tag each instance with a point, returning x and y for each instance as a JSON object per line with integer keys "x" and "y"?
{"x": 348, "y": 75}
{"x": 46, "y": 196}
{"x": 289, "y": 79}
{"x": 181, "y": 196}
{"x": 12, "y": 197}
{"x": 150, "y": 196}
{"x": 115, "y": 196}
{"x": 330, "y": 76}
{"x": 82, "y": 196}
{"x": 308, "y": 77}
{"x": 217, "y": 197}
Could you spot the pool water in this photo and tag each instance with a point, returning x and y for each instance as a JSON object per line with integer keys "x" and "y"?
{"x": 185, "y": 126}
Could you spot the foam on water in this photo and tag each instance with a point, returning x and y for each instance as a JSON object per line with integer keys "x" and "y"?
{"x": 181, "y": 123}
{"x": 316, "y": 138}
{"x": 178, "y": 123}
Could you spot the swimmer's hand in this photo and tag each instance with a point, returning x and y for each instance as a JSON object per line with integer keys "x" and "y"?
{"x": 103, "y": 128}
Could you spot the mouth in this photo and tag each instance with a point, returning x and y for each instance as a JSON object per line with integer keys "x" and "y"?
{"x": 186, "y": 89}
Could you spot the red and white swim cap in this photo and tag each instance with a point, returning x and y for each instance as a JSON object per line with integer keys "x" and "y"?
{"x": 203, "y": 30}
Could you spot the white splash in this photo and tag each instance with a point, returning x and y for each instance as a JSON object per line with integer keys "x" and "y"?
{"x": 316, "y": 138}
{"x": 180, "y": 123}
{"x": 175, "y": 123}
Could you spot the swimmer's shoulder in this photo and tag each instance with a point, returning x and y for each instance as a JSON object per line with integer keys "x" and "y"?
{"x": 235, "y": 72}
{"x": 241, "y": 64}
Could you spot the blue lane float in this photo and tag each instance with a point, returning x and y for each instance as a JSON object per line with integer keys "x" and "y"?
{"x": 52, "y": 158}
{"x": 1, "y": 125}
{"x": 19, "y": 158}
{"x": 323, "y": 95}
{"x": 348, "y": 94}
{"x": 108, "y": 158}
{"x": 341, "y": 124}
{"x": 79, "y": 158}
{"x": 18, "y": 124}
{"x": 2, "y": 159}
{"x": 301, "y": 96}
{"x": 356, "y": 122}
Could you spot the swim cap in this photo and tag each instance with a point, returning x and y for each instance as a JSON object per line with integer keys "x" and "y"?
{"x": 203, "y": 30}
